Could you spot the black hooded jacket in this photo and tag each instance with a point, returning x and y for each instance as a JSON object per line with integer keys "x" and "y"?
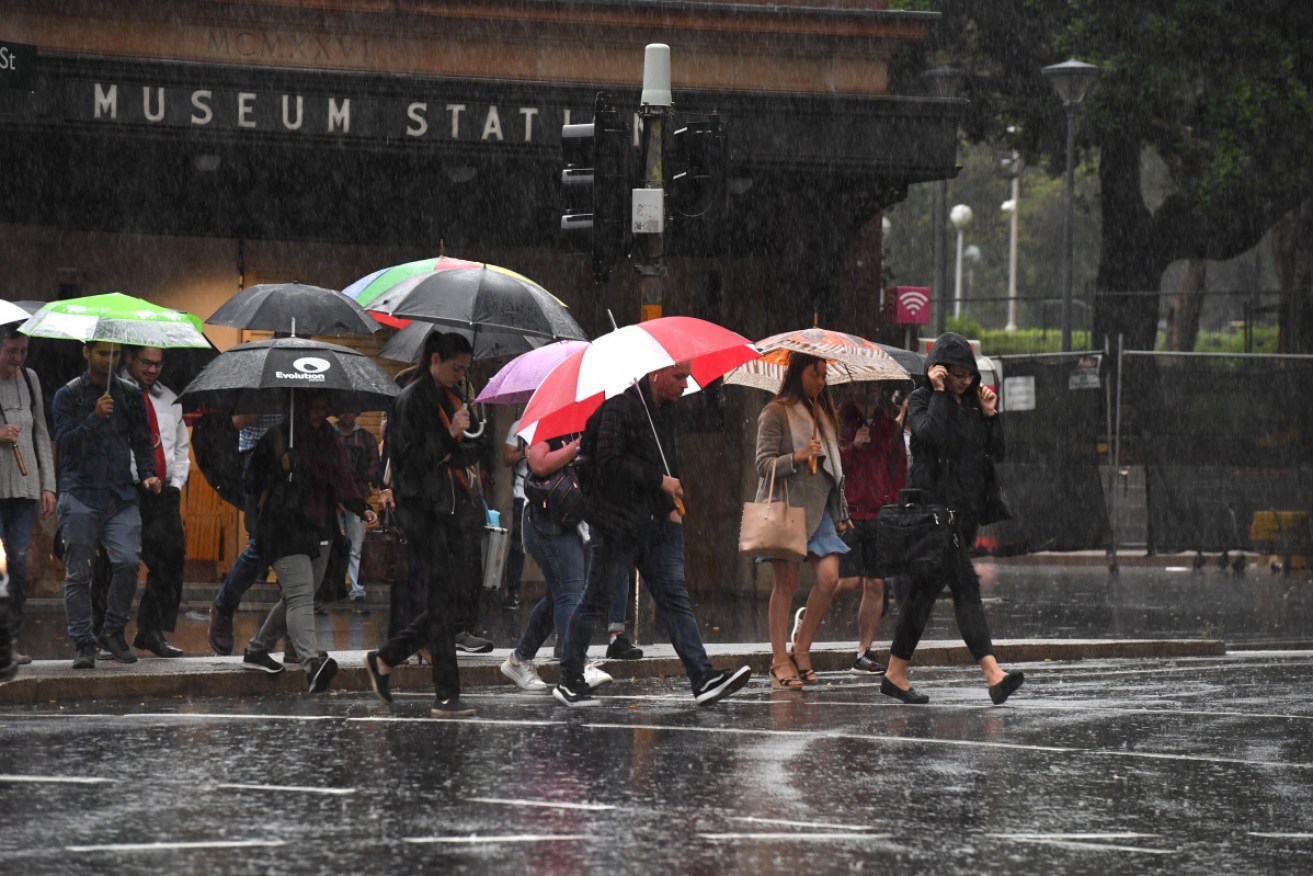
{"x": 954, "y": 446}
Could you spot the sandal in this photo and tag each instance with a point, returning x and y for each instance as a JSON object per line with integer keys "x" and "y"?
{"x": 781, "y": 681}
{"x": 807, "y": 675}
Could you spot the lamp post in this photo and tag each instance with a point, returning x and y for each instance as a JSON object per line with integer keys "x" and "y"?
{"x": 1013, "y": 207}
{"x": 961, "y": 217}
{"x": 942, "y": 82}
{"x": 1072, "y": 79}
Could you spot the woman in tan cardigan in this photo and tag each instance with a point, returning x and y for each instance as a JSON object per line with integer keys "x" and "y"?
{"x": 797, "y": 436}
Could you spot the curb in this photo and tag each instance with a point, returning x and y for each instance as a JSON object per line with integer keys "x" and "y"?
{"x": 52, "y": 681}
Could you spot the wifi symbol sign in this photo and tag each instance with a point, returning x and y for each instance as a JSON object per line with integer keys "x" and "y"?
{"x": 913, "y": 305}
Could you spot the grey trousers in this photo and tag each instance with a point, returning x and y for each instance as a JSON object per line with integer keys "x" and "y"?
{"x": 294, "y": 615}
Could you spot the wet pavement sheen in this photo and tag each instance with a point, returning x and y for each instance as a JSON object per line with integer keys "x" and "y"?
{"x": 1200, "y": 765}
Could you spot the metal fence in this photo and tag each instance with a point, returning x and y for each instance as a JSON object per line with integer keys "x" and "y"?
{"x": 1220, "y": 447}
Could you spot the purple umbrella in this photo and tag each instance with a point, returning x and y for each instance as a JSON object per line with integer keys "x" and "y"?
{"x": 515, "y": 383}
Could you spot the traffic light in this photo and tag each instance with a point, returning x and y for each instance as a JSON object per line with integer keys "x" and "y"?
{"x": 695, "y": 189}
{"x": 696, "y": 167}
{"x": 595, "y": 186}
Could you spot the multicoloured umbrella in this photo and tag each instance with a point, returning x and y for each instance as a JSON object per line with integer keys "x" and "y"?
{"x": 115, "y": 318}
{"x": 519, "y": 378}
{"x": 618, "y": 359}
{"x": 370, "y": 287}
{"x": 850, "y": 359}
{"x": 479, "y": 297}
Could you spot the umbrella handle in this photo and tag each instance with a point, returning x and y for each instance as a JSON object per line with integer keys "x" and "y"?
{"x": 465, "y": 397}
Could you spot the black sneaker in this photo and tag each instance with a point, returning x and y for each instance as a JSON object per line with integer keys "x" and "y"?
{"x": 721, "y": 685}
{"x": 117, "y": 647}
{"x": 623, "y": 649}
{"x": 221, "y": 631}
{"x": 321, "y": 674}
{"x": 451, "y": 708}
{"x": 262, "y": 661}
{"x": 358, "y": 605}
{"x": 866, "y": 664}
{"x": 377, "y": 680}
{"x": 472, "y": 644}
{"x": 86, "y": 656}
{"x": 575, "y": 693}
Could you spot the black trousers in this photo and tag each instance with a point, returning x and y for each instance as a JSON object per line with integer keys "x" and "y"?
{"x": 163, "y": 551}
{"x": 439, "y": 545}
{"x": 914, "y": 612}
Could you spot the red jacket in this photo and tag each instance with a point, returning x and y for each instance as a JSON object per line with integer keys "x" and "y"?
{"x": 873, "y": 474}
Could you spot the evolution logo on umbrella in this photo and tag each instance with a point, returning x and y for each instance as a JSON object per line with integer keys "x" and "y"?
{"x": 308, "y": 368}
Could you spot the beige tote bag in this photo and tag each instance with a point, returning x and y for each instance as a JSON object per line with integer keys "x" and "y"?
{"x": 772, "y": 529}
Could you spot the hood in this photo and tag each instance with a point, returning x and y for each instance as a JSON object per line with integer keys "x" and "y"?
{"x": 953, "y": 350}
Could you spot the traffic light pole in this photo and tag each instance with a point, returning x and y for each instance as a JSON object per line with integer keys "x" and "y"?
{"x": 656, "y": 107}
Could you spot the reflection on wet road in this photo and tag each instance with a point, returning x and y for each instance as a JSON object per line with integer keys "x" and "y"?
{"x": 1182, "y": 766}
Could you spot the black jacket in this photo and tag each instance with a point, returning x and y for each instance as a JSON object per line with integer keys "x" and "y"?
{"x": 954, "y": 446}
{"x": 425, "y": 458}
{"x": 621, "y": 468}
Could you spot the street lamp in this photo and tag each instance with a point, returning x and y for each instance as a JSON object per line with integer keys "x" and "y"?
{"x": 1071, "y": 79}
{"x": 942, "y": 82}
{"x": 1012, "y": 206}
{"x": 961, "y": 217}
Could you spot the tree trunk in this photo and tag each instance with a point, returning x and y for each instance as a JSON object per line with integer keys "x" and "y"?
{"x": 1294, "y": 263}
{"x": 1187, "y": 304}
{"x": 1126, "y": 288}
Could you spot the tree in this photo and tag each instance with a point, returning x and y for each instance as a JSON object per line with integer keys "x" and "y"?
{"x": 1218, "y": 89}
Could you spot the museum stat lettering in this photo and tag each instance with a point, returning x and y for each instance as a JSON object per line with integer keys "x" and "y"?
{"x": 288, "y": 113}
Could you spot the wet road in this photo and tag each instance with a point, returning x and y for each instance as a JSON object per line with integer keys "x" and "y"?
{"x": 1180, "y": 766}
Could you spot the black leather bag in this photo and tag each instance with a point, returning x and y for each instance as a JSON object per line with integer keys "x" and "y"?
{"x": 558, "y": 496}
{"x": 916, "y": 538}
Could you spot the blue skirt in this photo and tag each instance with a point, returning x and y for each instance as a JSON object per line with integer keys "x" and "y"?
{"x": 825, "y": 540}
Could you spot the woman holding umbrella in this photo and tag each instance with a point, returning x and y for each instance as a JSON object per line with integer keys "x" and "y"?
{"x": 297, "y": 477}
{"x": 798, "y": 443}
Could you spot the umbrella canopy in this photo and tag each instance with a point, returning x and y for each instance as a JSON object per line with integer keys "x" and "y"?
{"x": 256, "y": 377}
{"x": 405, "y": 345}
{"x": 519, "y": 378}
{"x": 296, "y": 308}
{"x": 115, "y": 318}
{"x": 616, "y": 360}
{"x": 14, "y": 311}
{"x": 481, "y": 298}
{"x": 850, "y": 359}
{"x": 368, "y": 288}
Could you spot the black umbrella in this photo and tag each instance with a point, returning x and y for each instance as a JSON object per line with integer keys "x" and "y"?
{"x": 296, "y": 308}
{"x": 481, "y": 298}
{"x": 913, "y": 361}
{"x": 257, "y": 377}
{"x": 405, "y": 345}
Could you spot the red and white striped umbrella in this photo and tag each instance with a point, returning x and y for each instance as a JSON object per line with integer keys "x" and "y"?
{"x": 619, "y": 359}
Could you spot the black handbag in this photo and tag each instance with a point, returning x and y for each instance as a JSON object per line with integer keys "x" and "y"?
{"x": 558, "y": 495}
{"x": 916, "y": 538}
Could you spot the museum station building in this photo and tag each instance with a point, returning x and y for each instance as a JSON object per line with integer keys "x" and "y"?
{"x": 181, "y": 150}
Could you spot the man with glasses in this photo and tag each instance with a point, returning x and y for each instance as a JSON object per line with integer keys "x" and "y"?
{"x": 163, "y": 542}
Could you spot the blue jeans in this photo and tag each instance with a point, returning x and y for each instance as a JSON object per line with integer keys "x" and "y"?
{"x": 246, "y": 569}
{"x": 515, "y": 560}
{"x": 116, "y": 528}
{"x": 16, "y": 518}
{"x": 354, "y": 528}
{"x": 658, "y": 552}
{"x": 563, "y": 558}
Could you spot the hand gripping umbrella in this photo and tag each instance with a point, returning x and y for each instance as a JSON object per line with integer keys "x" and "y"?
{"x": 849, "y": 357}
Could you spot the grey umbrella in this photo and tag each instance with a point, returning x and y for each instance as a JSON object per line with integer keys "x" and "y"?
{"x": 296, "y": 308}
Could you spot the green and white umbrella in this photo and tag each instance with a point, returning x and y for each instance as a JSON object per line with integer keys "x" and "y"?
{"x": 117, "y": 319}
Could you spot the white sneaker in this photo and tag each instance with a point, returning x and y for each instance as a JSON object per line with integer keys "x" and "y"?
{"x": 595, "y": 677}
{"x": 525, "y": 675}
{"x": 797, "y": 625}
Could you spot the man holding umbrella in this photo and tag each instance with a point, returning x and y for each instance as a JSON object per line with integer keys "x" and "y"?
{"x": 635, "y": 499}
{"x": 101, "y": 428}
